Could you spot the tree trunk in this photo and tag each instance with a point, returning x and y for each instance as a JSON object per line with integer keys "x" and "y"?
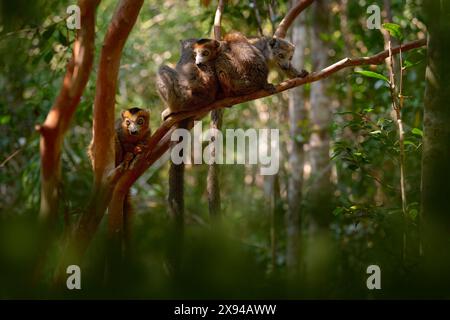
{"x": 58, "y": 119}
{"x": 436, "y": 138}
{"x": 102, "y": 146}
{"x": 175, "y": 197}
{"x": 212, "y": 183}
{"x": 296, "y": 159}
{"x": 319, "y": 197}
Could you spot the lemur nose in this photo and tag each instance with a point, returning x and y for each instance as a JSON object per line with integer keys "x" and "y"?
{"x": 134, "y": 132}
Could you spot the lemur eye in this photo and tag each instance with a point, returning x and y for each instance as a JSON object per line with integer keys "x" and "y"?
{"x": 128, "y": 122}
{"x": 205, "y": 53}
{"x": 281, "y": 56}
{"x": 140, "y": 121}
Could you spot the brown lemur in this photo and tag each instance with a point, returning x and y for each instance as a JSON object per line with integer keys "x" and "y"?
{"x": 240, "y": 67}
{"x": 132, "y": 135}
{"x": 189, "y": 85}
{"x": 132, "y": 132}
{"x": 278, "y": 53}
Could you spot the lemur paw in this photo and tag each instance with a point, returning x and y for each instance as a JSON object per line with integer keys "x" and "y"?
{"x": 303, "y": 74}
{"x": 270, "y": 88}
{"x": 127, "y": 160}
{"x": 138, "y": 149}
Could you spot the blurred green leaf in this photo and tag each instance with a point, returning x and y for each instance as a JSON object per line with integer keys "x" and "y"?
{"x": 394, "y": 30}
{"x": 5, "y": 119}
{"x": 417, "y": 132}
{"x": 371, "y": 74}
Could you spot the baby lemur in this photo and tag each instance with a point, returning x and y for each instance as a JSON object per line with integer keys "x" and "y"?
{"x": 240, "y": 67}
{"x": 189, "y": 85}
{"x": 278, "y": 53}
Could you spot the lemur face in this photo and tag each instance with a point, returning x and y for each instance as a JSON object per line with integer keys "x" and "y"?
{"x": 205, "y": 50}
{"x": 282, "y": 52}
{"x": 135, "y": 122}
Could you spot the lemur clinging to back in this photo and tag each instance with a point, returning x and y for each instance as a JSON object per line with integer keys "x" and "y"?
{"x": 189, "y": 85}
{"x": 240, "y": 67}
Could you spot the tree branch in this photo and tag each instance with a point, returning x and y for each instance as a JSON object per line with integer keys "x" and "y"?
{"x": 218, "y": 21}
{"x": 290, "y": 17}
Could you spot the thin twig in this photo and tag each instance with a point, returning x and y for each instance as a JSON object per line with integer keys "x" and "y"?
{"x": 10, "y": 157}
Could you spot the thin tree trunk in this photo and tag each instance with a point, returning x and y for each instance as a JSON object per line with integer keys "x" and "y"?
{"x": 213, "y": 185}
{"x": 176, "y": 186}
{"x": 275, "y": 201}
{"x": 297, "y": 116}
{"x": 320, "y": 194}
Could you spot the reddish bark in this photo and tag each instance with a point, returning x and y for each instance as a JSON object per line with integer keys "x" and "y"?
{"x": 102, "y": 146}
{"x": 58, "y": 119}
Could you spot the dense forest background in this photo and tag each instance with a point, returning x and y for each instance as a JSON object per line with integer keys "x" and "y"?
{"x": 334, "y": 208}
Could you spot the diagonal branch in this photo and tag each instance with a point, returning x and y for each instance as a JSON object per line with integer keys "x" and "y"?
{"x": 290, "y": 17}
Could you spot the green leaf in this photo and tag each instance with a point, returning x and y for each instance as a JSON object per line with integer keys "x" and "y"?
{"x": 413, "y": 213}
{"x": 394, "y": 30}
{"x": 417, "y": 132}
{"x": 338, "y": 211}
{"x": 5, "y": 119}
{"x": 62, "y": 38}
{"x": 371, "y": 74}
{"x": 49, "y": 32}
{"x": 48, "y": 56}
{"x": 407, "y": 142}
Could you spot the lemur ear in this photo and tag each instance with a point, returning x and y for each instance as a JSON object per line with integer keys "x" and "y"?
{"x": 122, "y": 114}
{"x": 216, "y": 44}
{"x": 272, "y": 42}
